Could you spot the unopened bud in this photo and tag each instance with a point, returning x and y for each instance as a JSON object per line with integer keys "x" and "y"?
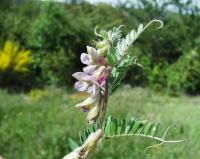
{"x": 101, "y": 44}
{"x": 93, "y": 114}
{"x": 103, "y": 51}
{"x": 103, "y": 47}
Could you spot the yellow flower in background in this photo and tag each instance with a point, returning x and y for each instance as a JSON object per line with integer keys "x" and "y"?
{"x": 14, "y": 59}
{"x": 37, "y": 94}
{"x": 22, "y": 60}
{"x": 4, "y": 61}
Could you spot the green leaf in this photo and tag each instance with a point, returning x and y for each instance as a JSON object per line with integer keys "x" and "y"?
{"x": 108, "y": 126}
{"x": 154, "y": 129}
{"x": 122, "y": 69}
{"x": 73, "y": 145}
{"x": 81, "y": 139}
{"x": 141, "y": 130}
{"x": 123, "y": 126}
{"x": 136, "y": 126}
{"x": 112, "y": 59}
{"x": 94, "y": 127}
{"x": 147, "y": 128}
{"x": 130, "y": 125}
{"x": 113, "y": 127}
{"x": 119, "y": 128}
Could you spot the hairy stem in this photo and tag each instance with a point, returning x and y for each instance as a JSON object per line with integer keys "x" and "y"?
{"x": 104, "y": 106}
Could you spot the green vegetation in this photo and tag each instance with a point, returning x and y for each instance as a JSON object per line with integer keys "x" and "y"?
{"x": 14, "y": 64}
{"x": 38, "y": 124}
{"x": 44, "y": 43}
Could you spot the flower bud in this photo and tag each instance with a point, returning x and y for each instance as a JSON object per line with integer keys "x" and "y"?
{"x": 103, "y": 47}
{"x": 93, "y": 114}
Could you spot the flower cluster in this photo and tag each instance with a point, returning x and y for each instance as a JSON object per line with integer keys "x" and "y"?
{"x": 106, "y": 67}
{"x": 91, "y": 80}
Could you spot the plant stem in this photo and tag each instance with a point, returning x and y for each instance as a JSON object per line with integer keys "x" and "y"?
{"x": 147, "y": 136}
{"x": 104, "y": 106}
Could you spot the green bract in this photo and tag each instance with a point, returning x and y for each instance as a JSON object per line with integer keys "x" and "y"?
{"x": 116, "y": 49}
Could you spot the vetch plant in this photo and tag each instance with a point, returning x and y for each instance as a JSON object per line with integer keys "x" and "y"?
{"x": 106, "y": 67}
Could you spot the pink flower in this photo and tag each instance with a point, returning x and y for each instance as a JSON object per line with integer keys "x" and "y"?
{"x": 93, "y": 77}
{"x": 92, "y": 57}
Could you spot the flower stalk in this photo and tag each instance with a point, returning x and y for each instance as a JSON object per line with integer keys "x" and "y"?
{"x": 104, "y": 106}
{"x": 106, "y": 66}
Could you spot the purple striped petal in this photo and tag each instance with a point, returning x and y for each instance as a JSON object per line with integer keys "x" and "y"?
{"x": 81, "y": 76}
{"x": 89, "y": 69}
{"x": 85, "y": 58}
{"x": 81, "y": 86}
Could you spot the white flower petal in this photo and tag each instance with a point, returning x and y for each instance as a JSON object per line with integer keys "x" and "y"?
{"x": 81, "y": 76}
{"x": 93, "y": 54}
{"x": 90, "y": 89}
{"x": 99, "y": 71}
{"x": 94, "y": 90}
{"x": 85, "y": 58}
{"x": 81, "y": 86}
{"x": 90, "y": 69}
{"x": 87, "y": 102}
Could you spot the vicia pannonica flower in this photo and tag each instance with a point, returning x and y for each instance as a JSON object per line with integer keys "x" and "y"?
{"x": 106, "y": 67}
{"x": 91, "y": 80}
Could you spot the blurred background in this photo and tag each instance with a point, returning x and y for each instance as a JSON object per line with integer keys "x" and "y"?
{"x": 40, "y": 47}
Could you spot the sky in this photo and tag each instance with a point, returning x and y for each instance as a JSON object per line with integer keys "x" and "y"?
{"x": 94, "y": 1}
{"x": 114, "y": 2}
{"x": 105, "y": 1}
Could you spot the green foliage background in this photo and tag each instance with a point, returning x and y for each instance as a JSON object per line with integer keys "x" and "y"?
{"x": 37, "y": 125}
{"x": 58, "y": 33}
